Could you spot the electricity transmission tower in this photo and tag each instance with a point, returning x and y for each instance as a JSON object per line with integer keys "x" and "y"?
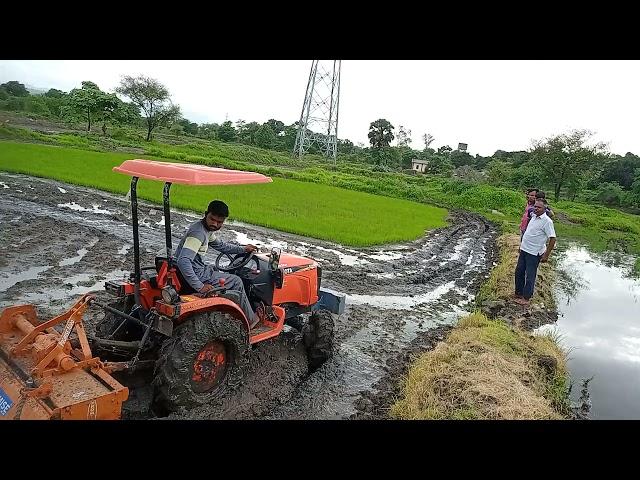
{"x": 319, "y": 118}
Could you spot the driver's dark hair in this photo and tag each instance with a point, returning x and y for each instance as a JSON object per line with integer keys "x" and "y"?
{"x": 218, "y": 208}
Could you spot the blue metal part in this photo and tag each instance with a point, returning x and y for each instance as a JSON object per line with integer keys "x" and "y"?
{"x": 330, "y": 300}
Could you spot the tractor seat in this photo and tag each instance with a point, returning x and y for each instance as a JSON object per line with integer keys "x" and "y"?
{"x": 185, "y": 288}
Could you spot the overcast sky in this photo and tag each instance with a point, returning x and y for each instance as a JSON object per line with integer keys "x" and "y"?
{"x": 489, "y": 105}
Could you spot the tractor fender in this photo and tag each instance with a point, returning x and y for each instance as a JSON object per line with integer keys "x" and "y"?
{"x": 196, "y": 305}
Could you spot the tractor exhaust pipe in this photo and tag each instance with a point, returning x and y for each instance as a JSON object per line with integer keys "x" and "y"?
{"x": 136, "y": 240}
{"x": 167, "y": 224}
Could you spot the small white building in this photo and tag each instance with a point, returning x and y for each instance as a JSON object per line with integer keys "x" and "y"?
{"x": 419, "y": 165}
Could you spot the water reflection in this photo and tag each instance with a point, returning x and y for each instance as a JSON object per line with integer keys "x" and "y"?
{"x": 599, "y": 306}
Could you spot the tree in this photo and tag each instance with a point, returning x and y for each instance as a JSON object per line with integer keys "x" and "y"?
{"x": 226, "y": 132}
{"x": 460, "y": 159}
{"x": 428, "y": 139}
{"x": 528, "y": 175}
{"x": 247, "y": 134}
{"x": 111, "y": 110}
{"x": 380, "y": 133}
{"x": 54, "y": 93}
{"x": 265, "y": 136}
{"x": 91, "y": 102}
{"x": 209, "y": 130}
{"x": 15, "y": 88}
{"x": 126, "y": 113}
{"x": 635, "y": 188}
{"x": 405, "y": 156}
{"x": 610, "y": 193}
{"x": 56, "y": 101}
{"x": 152, "y": 98}
{"x": 481, "y": 162}
{"x": 177, "y": 129}
{"x": 620, "y": 169}
{"x": 345, "y": 146}
{"x": 499, "y": 172}
{"x": 276, "y": 125}
{"x": 288, "y": 138}
{"x": 444, "y": 150}
{"x": 93, "y": 105}
{"x": 440, "y": 165}
{"x": 385, "y": 157}
{"x": 188, "y": 127}
{"x": 566, "y": 157}
{"x": 404, "y": 137}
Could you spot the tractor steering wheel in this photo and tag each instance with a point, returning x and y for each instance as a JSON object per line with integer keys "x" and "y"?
{"x": 238, "y": 261}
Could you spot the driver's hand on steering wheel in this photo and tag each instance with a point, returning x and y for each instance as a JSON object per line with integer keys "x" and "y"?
{"x": 207, "y": 287}
{"x": 250, "y": 248}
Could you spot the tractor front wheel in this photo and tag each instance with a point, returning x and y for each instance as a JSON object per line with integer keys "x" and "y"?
{"x": 317, "y": 335}
{"x": 206, "y": 354}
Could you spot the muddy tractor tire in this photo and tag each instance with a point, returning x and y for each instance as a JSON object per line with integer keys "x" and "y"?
{"x": 296, "y": 322}
{"x": 206, "y": 355}
{"x": 317, "y": 335}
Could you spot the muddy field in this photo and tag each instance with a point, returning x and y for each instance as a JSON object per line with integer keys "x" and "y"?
{"x": 58, "y": 241}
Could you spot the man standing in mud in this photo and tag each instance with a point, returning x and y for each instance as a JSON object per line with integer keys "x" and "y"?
{"x": 193, "y": 247}
{"x": 533, "y": 250}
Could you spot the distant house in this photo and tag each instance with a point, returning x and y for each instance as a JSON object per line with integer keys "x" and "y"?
{"x": 419, "y": 165}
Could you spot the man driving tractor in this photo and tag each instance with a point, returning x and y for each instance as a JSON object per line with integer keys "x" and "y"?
{"x": 194, "y": 245}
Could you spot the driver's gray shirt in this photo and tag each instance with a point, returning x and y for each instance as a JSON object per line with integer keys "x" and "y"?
{"x": 191, "y": 250}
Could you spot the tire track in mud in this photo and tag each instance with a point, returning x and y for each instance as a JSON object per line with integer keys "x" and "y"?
{"x": 58, "y": 241}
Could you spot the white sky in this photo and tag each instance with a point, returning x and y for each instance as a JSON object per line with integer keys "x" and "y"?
{"x": 489, "y": 105}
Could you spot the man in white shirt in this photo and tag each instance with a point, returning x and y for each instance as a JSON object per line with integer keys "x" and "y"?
{"x": 533, "y": 250}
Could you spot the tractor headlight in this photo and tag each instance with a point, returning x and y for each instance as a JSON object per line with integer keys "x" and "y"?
{"x": 169, "y": 295}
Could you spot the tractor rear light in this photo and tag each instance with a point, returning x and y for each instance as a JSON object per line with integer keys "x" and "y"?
{"x": 115, "y": 288}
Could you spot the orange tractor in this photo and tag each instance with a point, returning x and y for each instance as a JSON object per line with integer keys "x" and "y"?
{"x": 196, "y": 344}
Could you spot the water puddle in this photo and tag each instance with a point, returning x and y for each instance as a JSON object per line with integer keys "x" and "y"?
{"x": 81, "y": 253}
{"x": 76, "y": 290}
{"x": 78, "y": 208}
{"x": 345, "y": 259}
{"x": 386, "y": 256}
{"x": 10, "y": 280}
{"x": 405, "y": 302}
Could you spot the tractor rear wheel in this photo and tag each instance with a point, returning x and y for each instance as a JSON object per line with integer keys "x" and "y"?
{"x": 206, "y": 354}
{"x": 317, "y": 335}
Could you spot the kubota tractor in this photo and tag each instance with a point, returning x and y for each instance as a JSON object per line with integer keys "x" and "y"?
{"x": 196, "y": 344}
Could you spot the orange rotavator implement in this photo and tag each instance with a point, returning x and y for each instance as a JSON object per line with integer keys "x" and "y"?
{"x": 196, "y": 343}
{"x": 43, "y": 377}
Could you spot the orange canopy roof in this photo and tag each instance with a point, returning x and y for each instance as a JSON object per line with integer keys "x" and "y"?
{"x": 188, "y": 173}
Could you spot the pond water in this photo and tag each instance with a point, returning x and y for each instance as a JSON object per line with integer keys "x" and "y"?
{"x": 599, "y": 323}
